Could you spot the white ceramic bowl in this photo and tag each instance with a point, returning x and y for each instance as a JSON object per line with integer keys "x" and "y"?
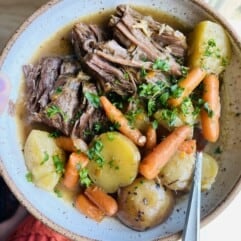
{"x": 55, "y": 212}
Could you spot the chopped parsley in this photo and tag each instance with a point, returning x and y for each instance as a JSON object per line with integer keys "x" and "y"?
{"x": 160, "y": 64}
{"x": 111, "y": 136}
{"x": 186, "y": 106}
{"x": 53, "y": 110}
{"x": 155, "y": 124}
{"x": 58, "y": 193}
{"x": 46, "y": 158}
{"x": 93, "y": 99}
{"x": 84, "y": 177}
{"x": 94, "y": 153}
{"x": 59, "y": 164}
{"x": 176, "y": 91}
{"x": 59, "y": 90}
{"x": 170, "y": 116}
{"x": 55, "y": 134}
{"x": 126, "y": 75}
{"x": 143, "y": 73}
{"x": 29, "y": 177}
{"x": 207, "y": 108}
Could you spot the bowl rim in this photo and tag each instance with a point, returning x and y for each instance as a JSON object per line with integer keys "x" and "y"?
{"x": 40, "y": 216}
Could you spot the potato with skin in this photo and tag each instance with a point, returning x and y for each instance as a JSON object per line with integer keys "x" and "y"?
{"x": 177, "y": 173}
{"x": 39, "y": 151}
{"x": 114, "y": 161}
{"x": 144, "y": 204}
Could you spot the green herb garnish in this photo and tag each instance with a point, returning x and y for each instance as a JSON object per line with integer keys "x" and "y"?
{"x": 160, "y": 64}
{"x": 29, "y": 177}
{"x": 93, "y": 99}
{"x": 94, "y": 153}
{"x": 46, "y": 158}
{"x": 59, "y": 164}
{"x": 59, "y": 90}
{"x": 53, "y": 110}
{"x": 58, "y": 193}
{"x": 84, "y": 177}
{"x": 55, "y": 134}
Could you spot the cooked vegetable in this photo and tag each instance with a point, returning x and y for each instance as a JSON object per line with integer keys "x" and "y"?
{"x": 144, "y": 204}
{"x": 71, "y": 144}
{"x": 85, "y": 206}
{"x": 177, "y": 173}
{"x": 44, "y": 159}
{"x": 151, "y": 138}
{"x": 209, "y": 171}
{"x": 116, "y": 116}
{"x": 152, "y": 164}
{"x": 210, "y": 47}
{"x": 76, "y": 162}
{"x": 102, "y": 200}
{"x": 210, "y": 117}
{"x": 188, "y": 84}
{"x": 114, "y": 161}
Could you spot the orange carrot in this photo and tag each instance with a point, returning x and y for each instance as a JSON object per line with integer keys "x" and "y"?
{"x": 102, "y": 200}
{"x": 116, "y": 115}
{"x": 150, "y": 138}
{"x": 71, "y": 144}
{"x": 210, "y": 121}
{"x": 188, "y": 146}
{"x": 161, "y": 154}
{"x": 85, "y": 206}
{"x": 188, "y": 84}
{"x": 71, "y": 175}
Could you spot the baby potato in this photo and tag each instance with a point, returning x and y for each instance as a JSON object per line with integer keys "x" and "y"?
{"x": 114, "y": 161}
{"x": 177, "y": 173}
{"x": 209, "y": 47}
{"x": 40, "y": 150}
{"x": 209, "y": 171}
{"x": 144, "y": 204}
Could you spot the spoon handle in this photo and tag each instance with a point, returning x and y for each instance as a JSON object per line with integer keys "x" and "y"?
{"x": 191, "y": 230}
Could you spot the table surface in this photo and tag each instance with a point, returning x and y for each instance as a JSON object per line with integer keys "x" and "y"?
{"x": 226, "y": 226}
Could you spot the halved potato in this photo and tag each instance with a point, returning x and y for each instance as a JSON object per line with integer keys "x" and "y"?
{"x": 209, "y": 47}
{"x": 39, "y": 151}
{"x": 117, "y": 164}
{"x": 177, "y": 173}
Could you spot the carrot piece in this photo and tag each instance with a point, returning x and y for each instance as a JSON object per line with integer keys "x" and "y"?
{"x": 161, "y": 154}
{"x": 85, "y": 206}
{"x": 210, "y": 123}
{"x": 116, "y": 115}
{"x": 71, "y": 175}
{"x": 188, "y": 84}
{"x": 151, "y": 138}
{"x": 71, "y": 144}
{"x": 102, "y": 200}
{"x": 188, "y": 146}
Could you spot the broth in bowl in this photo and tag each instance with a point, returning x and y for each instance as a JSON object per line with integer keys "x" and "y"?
{"x": 77, "y": 84}
{"x": 116, "y": 103}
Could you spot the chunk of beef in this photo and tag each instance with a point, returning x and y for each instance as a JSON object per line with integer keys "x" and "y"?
{"x": 112, "y": 78}
{"x": 85, "y": 37}
{"x": 40, "y": 80}
{"x": 144, "y": 32}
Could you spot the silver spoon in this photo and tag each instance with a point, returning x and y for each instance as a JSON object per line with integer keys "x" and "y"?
{"x": 191, "y": 230}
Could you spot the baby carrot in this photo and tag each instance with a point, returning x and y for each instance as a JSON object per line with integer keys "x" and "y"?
{"x": 161, "y": 154}
{"x": 71, "y": 144}
{"x": 187, "y": 85}
{"x": 102, "y": 200}
{"x": 116, "y": 116}
{"x": 210, "y": 118}
{"x": 75, "y": 163}
{"x": 85, "y": 206}
{"x": 188, "y": 146}
{"x": 150, "y": 138}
